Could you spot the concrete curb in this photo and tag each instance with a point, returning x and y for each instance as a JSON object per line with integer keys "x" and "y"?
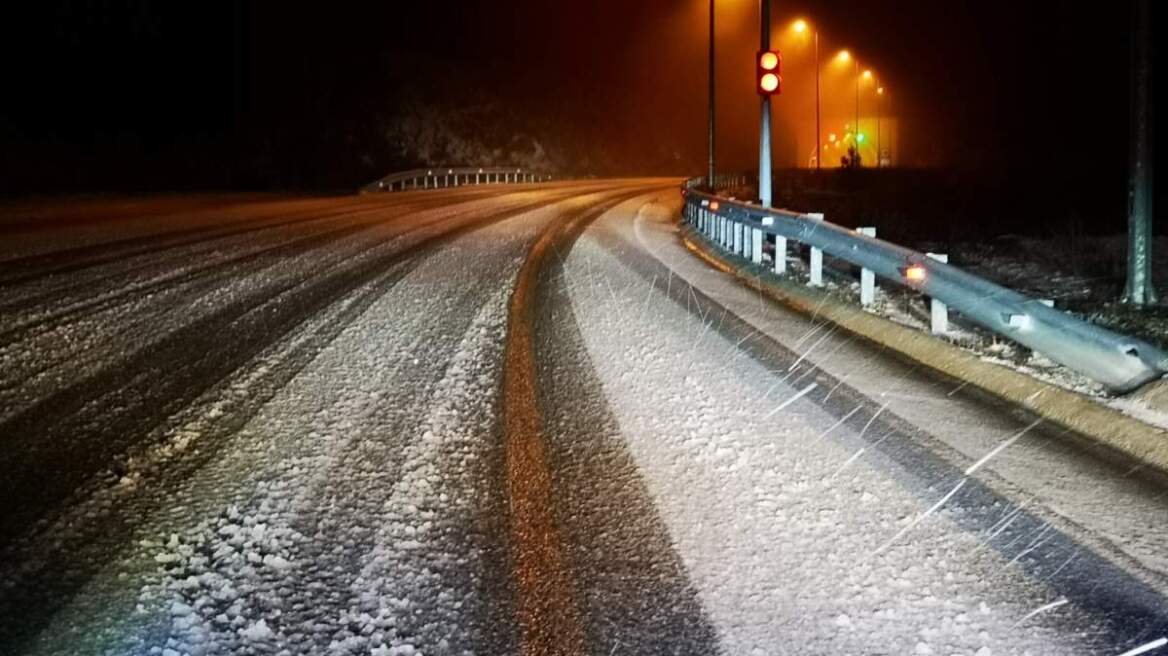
{"x": 1106, "y": 426}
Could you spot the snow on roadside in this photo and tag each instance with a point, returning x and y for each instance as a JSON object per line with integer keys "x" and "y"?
{"x": 1070, "y": 486}
{"x": 781, "y": 525}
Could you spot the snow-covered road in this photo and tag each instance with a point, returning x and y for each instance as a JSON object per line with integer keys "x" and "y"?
{"x": 274, "y": 425}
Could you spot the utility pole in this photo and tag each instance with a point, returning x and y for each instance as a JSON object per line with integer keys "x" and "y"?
{"x": 710, "y": 167}
{"x": 764, "y": 140}
{"x": 1139, "y": 289}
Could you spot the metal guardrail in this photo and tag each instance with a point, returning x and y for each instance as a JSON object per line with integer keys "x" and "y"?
{"x": 441, "y": 177}
{"x": 1119, "y": 362}
{"x": 721, "y": 181}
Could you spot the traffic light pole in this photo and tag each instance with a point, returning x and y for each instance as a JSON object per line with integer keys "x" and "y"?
{"x": 1139, "y": 289}
{"x": 764, "y": 139}
{"x": 710, "y": 167}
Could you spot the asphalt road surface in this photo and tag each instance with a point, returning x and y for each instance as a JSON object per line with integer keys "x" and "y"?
{"x": 515, "y": 419}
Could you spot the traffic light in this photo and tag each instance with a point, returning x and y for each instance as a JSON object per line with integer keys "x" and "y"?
{"x": 769, "y": 76}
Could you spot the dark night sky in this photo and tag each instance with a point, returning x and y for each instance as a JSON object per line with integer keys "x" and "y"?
{"x": 105, "y": 94}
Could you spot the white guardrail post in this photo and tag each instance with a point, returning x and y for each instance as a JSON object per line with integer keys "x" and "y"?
{"x": 938, "y": 311}
{"x": 816, "y": 258}
{"x": 867, "y": 276}
{"x": 780, "y": 257}
{"x": 1120, "y": 362}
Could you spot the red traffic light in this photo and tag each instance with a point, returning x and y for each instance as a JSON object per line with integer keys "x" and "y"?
{"x": 768, "y": 72}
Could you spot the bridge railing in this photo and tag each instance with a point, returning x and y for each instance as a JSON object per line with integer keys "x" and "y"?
{"x": 721, "y": 181}
{"x": 1119, "y": 362}
{"x": 442, "y": 177}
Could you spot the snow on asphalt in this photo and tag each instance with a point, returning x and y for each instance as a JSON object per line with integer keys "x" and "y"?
{"x": 778, "y": 521}
{"x": 340, "y": 492}
{"x": 354, "y": 512}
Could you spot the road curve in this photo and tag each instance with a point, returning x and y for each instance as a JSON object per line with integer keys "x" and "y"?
{"x": 510, "y": 419}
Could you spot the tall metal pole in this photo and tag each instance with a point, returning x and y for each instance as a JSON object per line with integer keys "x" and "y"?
{"x": 818, "y": 133}
{"x": 710, "y": 166}
{"x": 879, "y": 112}
{"x": 1139, "y": 289}
{"x": 856, "y": 129}
{"x": 764, "y": 141}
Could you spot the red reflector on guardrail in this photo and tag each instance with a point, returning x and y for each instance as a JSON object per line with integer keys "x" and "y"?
{"x": 915, "y": 273}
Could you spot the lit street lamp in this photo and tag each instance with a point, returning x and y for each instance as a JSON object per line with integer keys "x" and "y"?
{"x": 800, "y": 26}
{"x": 710, "y": 164}
{"x": 879, "y": 115}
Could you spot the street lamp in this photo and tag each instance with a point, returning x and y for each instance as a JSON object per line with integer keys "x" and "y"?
{"x": 800, "y": 26}
{"x": 843, "y": 57}
{"x": 879, "y": 115}
{"x": 710, "y": 163}
{"x": 859, "y": 160}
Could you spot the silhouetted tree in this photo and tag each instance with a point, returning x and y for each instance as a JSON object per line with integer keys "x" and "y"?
{"x": 852, "y": 159}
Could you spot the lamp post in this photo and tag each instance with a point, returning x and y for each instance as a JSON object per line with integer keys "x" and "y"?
{"x": 801, "y": 26}
{"x": 818, "y": 157}
{"x": 710, "y": 163}
{"x": 879, "y": 115}
{"x": 856, "y": 130}
{"x": 843, "y": 57}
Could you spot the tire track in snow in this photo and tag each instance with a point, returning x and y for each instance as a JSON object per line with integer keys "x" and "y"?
{"x": 636, "y": 594}
{"x": 102, "y": 516}
{"x": 228, "y": 416}
{"x": 111, "y": 409}
{"x": 548, "y": 604}
{"x": 55, "y": 263}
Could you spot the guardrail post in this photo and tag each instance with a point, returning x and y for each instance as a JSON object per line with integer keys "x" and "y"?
{"x": 756, "y": 245}
{"x": 816, "y": 258}
{"x": 867, "y": 276}
{"x": 737, "y": 238}
{"x": 938, "y": 313}
{"x": 780, "y": 254}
